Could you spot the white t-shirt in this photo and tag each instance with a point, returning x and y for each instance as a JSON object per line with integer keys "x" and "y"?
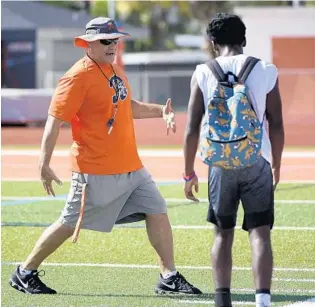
{"x": 260, "y": 81}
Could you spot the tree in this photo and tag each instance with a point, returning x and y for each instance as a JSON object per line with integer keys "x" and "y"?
{"x": 161, "y": 17}
{"x": 99, "y": 8}
{"x": 204, "y": 11}
{"x": 73, "y": 5}
{"x": 167, "y": 18}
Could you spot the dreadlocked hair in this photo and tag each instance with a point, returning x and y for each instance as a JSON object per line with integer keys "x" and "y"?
{"x": 226, "y": 29}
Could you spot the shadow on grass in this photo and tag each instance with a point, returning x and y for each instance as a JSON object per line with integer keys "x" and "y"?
{"x": 177, "y": 296}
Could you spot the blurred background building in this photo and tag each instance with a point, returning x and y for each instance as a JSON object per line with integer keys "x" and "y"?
{"x": 37, "y": 42}
{"x": 37, "y": 48}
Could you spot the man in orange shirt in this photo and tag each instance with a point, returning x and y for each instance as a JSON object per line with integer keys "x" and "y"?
{"x": 109, "y": 183}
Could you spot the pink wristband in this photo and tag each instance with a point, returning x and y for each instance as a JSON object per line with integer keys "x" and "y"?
{"x": 189, "y": 177}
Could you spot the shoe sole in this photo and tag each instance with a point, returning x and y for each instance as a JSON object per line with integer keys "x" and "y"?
{"x": 18, "y": 287}
{"x": 164, "y": 292}
{"x": 21, "y": 289}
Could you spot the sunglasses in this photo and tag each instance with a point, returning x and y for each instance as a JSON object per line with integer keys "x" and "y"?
{"x": 107, "y": 42}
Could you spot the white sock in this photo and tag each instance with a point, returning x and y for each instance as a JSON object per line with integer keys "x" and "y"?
{"x": 24, "y": 271}
{"x": 169, "y": 274}
{"x": 263, "y": 300}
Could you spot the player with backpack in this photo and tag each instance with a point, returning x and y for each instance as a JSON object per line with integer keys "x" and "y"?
{"x": 232, "y": 99}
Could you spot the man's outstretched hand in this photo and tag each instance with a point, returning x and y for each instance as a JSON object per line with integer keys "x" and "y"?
{"x": 169, "y": 116}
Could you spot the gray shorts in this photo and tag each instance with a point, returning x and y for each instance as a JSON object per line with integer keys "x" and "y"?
{"x": 112, "y": 199}
{"x": 252, "y": 185}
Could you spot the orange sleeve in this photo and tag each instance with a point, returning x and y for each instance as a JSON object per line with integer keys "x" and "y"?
{"x": 68, "y": 97}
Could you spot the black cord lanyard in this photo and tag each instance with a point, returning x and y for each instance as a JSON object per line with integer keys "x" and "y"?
{"x": 111, "y": 121}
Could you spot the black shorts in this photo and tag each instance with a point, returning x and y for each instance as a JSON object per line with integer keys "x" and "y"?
{"x": 252, "y": 185}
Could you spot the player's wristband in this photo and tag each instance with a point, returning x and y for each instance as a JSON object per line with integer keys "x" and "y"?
{"x": 189, "y": 177}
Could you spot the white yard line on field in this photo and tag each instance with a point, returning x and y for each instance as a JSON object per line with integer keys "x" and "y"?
{"x": 310, "y": 280}
{"x": 185, "y": 227}
{"x": 150, "y": 266}
{"x": 168, "y": 200}
{"x": 164, "y": 181}
{"x": 307, "y": 303}
{"x": 202, "y": 302}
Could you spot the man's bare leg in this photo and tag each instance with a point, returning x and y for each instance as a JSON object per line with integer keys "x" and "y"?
{"x": 49, "y": 241}
{"x": 160, "y": 235}
{"x": 262, "y": 263}
{"x": 221, "y": 258}
{"x": 26, "y": 278}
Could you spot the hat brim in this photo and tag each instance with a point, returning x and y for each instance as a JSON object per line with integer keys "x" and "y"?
{"x": 83, "y": 40}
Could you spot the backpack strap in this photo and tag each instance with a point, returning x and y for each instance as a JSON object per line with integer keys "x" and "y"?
{"x": 216, "y": 70}
{"x": 249, "y": 64}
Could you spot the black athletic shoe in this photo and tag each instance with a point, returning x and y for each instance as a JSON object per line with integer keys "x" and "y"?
{"x": 176, "y": 284}
{"x": 30, "y": 283}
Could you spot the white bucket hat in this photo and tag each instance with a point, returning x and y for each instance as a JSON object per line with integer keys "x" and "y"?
{"x": 98, "y": 28}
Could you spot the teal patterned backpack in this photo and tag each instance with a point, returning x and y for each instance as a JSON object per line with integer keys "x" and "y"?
{"x": 231, "y": 132}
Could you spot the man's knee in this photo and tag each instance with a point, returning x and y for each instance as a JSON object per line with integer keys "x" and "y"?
{"x": 224, "y": 237}
{"x": 261, "y": 232}
{"x": 59, "y": 227}
{"x": 158, "y": 223}
{"x": 260, "y": 236}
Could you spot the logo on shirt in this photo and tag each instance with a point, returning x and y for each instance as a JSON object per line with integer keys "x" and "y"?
{"x": 110, "y": 25}
{"x": 121, "y": 91}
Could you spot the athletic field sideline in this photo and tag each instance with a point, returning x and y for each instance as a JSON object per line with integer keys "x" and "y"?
{"x": 120, "y": 269}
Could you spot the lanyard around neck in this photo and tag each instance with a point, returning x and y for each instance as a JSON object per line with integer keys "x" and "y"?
{"x": 111, "y": 121}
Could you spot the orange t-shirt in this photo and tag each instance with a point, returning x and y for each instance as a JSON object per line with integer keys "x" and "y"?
{"x": 85, "y": 98}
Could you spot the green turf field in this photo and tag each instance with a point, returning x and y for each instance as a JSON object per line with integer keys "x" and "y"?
{"x": 119, "y": 269}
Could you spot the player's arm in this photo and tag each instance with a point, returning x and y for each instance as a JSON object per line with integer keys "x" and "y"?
{"x": 195, "y": 113}
{"x": 50, "y": 136}
{"x": 146, "y": 110}
{"x": 276, "y": 129}
{"x": 151, "y": 110}
{"x": 48, "y": 144}
{"x": 66, "y": 102}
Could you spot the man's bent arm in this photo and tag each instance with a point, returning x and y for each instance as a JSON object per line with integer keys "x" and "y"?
{"x": 195, "y": 113}
{"x": 146, "y": 110}
{"x": 49, "y": 140}
{"x": 275, "y": 121}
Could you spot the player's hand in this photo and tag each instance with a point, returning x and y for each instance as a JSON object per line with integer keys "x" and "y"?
{"x": 47, "y": 176}
{"x": 276, "y": 177}
{"x": 189, "y": 185}
{"x": 169, "y": 116}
